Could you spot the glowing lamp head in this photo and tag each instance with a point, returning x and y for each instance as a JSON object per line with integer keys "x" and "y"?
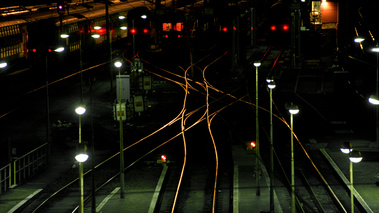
{"x": 355, "y": 156}
{"x": 346, "y": 148}
{"x": 118, "y": 64}
{"x": 257, "y": 63}
{"x": 82, "y": 157}
{"x": 374, "y": 100}
{"x": 80, "y": 110}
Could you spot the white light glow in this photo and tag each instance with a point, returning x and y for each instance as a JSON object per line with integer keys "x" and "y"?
{"x": 81, "y": 157}
{"x": 95, "y": 35}
{"x": 294, "y": 111}
{"x": 123, "y": 28}
{"x": 3, "y": 64}
{"x": 65, "y": 35}
{"x": 97, "y": 27}
{"x": 59, "y": 49}
{"x": 118, "y": 64}
{"x": 355, "y": 159}
{"x": 373, "y": 100}
{"x": 257, "y": 64}
{"x": 358, "y": 40}
{"x": 80, "y": 110}
{"x": 144, "y": 16}
{"x": 345, "y": 150}
{"x": 375, "y": 49}
{"x": 121, "y": 17}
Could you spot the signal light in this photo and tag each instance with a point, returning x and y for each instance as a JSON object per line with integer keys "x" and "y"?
{"x": 225, "y": 29}
{"x": 60, "y": 7}
{"x": 163, "y": 158}
{"x": 286, "y": 27}
{"x": 166, "y": 36}
{"x": 145, "y": 30}
{"x": 250, "y": 145}
{"x": 133, "y": 31}
{"x": 273, "y": 28}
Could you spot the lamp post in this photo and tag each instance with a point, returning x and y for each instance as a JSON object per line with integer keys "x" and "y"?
{"x": 271, "y": 85}
{"x": 118, "y": 64}
{"x": 257, "y": 163}
{"x": 376, "y": 50}
{"x": 81, "y": 157}
{"x": 293, "y": 109}
{"x": 354, "y": 157}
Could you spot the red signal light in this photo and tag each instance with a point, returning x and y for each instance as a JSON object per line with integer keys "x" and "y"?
{"x": 145, "y": 30}
{"x": 273, "y": 28}
{"x": 133, "y": 31}
{"x": 34, "y": 50}
{"x": 225, "y": 29}
{"x": 166, "y": 36}
{"x": 286, "y": 27}
{"x": 163, "y": 158}
{"x": 179, "y": 36}
{"x": 253, "y": 144}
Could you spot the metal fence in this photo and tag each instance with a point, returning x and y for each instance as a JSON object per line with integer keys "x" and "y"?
{"x": 23, "y": 167}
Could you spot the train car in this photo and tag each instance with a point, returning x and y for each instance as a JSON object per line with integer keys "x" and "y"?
{"x": 172, "y": 32}
{"x": 140, "y": 27}
{"x": 24, "y": 35}
{"x": 278, "y": 24}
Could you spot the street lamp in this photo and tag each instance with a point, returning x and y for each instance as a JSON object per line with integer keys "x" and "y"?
{"x": 374, "y": 99}
{"x": 257, "y": 163}
{"x": 354, "y": 157}
{"x": 118, "y": 64}
{"x": 293, "y": 109}
{"x": 271, "y": 85}
{"x": 359, "y": 39}
{"x": 3, "y": 64}
{"x": 81, "y": 157}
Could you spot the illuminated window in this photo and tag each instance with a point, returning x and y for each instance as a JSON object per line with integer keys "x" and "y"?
{"x": 166, "y": 26}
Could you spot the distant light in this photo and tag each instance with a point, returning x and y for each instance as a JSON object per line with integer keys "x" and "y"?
{"x": 355, "y": 156}
{"x": 375, "y": 49}
{"x": 225, "y": 29}
{"x": 373, "y": 100}
{"x": 59, "y": 49}
{"x": 97, "y": 27}
{"x": 286, "y": 27}
{"x": 123, "y": 28}
{"x": 145, "y": 30}
{"x": 121, "y": 17}
{"x": 65, "y": 35}
{"x": 345, "y": 150}
{"x": 302, "y": 0}
{"x": 3, "y": 64}
{"x": 96, "y": 35}
{"x": 118, "y": 64}
{"x": 144, "y": 16}
{"x": 80, "y": 110}
{"x": 82, "y": 157}
{"x": 271, "y": 85}
{"x": 359, "y": 39}
{"x": 293, "y": 109}
{"x": 257, "y": 63}
{"x": 273, "y": 28}
{"x": 133, "y": 31}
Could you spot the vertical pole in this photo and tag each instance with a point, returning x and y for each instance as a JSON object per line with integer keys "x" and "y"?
{"x": 377, "y": 94}
{"x": 257, "y": 163}
{"x": 47, "y": 110}
{"x": 272, "y": 207}
{"x": 81, "y": 200}
{"x": 351, "y": 187}
{"x": 293, "y": 207}
{"x": 93, "y": 199}
{"x": 109, "y": 43}
{"x": 122, "y": 182}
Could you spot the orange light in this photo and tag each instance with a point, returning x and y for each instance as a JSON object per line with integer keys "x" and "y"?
{"x": 273, "y": 28}
{"x": 286, "y": 27}
{"x": 163, "y": 158}
{"x": 253, "y": 144}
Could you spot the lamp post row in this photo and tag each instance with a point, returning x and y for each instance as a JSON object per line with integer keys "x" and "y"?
{"x": 293, "y": 109}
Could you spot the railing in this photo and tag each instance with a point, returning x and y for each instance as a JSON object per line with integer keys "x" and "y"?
{"x": 23, "y": 167}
